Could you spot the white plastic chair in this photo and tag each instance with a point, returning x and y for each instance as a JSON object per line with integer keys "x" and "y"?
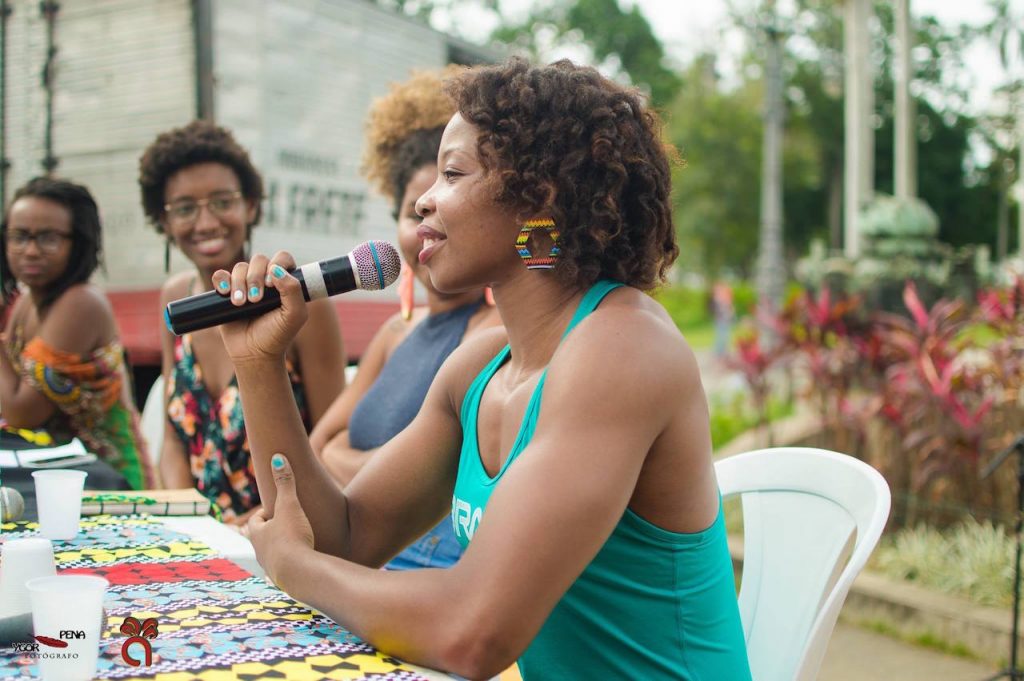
{"x": 802, "y": 510}
{"x": 152, "y": 421}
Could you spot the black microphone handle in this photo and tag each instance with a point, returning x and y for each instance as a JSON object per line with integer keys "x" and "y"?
{"x": 212, "y": 309}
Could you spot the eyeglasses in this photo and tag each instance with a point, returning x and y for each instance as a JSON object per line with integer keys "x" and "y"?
{"x": 47, "y": 242}
{"x": 186, "y": 211}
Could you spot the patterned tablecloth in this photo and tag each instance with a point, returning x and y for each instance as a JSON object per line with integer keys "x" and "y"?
{"x": 214, "y": 620}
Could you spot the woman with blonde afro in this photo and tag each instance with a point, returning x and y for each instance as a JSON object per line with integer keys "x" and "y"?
{"x": 403, "y": 133}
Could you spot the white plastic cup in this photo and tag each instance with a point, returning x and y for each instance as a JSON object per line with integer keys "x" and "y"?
{"x": 20, "y": 561}
{"x": 59, "y": 502}
{"x": 69, "y": 609}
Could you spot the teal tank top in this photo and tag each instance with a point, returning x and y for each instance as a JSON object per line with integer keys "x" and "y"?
{"x": 652, "y": 604}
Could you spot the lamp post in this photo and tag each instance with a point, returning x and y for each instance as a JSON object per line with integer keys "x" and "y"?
{"x": 770, "y": 267}
{"x": 858, "y": 180}
{"x": 905, "y": 143}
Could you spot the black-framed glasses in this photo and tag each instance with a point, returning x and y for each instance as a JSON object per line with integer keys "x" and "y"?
{"x": 186, "y": 211}
{"x": 47, "y": 241}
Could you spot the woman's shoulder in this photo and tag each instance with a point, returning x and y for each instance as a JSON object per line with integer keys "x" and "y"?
{"x": 397, "y": 328}
{"x": 629, "y": 332}
{"x": 177, "y": 286}
{"x": 82, "y": 301}
{"x": 473, "y": 354}
{"x": 80, "y": 320}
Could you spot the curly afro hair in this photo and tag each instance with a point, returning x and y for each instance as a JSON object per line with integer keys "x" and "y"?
{"x": 403, "y": 131}
{"x": 564, "y": 141}
{"x": 198, "y": 142}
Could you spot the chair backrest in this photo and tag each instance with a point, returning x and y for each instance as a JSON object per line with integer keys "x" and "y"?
{"x": 152, "y": 421}
{"x": 804, "y": 511}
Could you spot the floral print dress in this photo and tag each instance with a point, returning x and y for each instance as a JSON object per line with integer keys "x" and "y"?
{"x": 213, "y": 432}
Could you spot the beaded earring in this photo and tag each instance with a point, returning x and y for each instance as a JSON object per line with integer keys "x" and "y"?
{"x": 167, "y": 255}
{"x": 531, "y": 261}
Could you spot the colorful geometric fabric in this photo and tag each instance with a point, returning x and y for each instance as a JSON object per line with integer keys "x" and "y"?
{"x": 215, "y": 620}
{"x": 92, "y": 402}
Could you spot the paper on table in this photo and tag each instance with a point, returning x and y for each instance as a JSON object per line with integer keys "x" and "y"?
{"x": 72, "y": 452}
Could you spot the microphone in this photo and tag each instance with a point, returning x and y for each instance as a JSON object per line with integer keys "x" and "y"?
{"x": 12, "y": 504}
{"x": 371, "y": 266}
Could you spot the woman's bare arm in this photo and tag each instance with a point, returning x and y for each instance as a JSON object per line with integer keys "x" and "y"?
{"x": 175, "y": 472}
{"x": 335, "y": 419}
{"x": 321, "y": 357}
{"x": 77, "y": 322}
{"x": 547, "y": 518}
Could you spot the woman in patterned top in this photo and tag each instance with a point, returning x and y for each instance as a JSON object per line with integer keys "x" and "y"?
{"x": 201, "y": 191}
{"x": 63, "y": 369}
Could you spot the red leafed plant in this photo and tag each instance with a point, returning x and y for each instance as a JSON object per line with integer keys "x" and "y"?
{"x": 755, "y": 360}
{"x": 929, "y": 388}
{"x": 936, "y": 393}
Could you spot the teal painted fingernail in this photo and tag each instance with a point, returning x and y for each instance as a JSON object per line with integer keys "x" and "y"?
{"x": 254, "y": 291}
{"x": 278, "y": 271}
{"x": 223, "y": 286}
{"x": 277, "y": 461}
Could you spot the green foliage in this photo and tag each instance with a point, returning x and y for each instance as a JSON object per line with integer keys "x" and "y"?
{"x": 610, "y": 31}
{"x": 690, "y": 310}
{"x": 715, "y": 194}
{"x": 744, "y": 298}
{"x": 686, "y": 305}
{"x": 974, "y": 560}
{"x": 623, "y": 37}
{"x": 926, "y": 639}
{"x": 733, "y": 415}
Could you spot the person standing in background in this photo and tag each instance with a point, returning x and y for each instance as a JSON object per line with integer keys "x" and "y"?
{"x": 724, "y": 313}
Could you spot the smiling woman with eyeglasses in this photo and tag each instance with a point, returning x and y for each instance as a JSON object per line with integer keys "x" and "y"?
{"x": 63, "y": 367}
{"x": 202, "y": 193}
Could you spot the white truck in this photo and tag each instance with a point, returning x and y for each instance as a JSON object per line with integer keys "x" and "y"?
{"x": 86, "y": 85}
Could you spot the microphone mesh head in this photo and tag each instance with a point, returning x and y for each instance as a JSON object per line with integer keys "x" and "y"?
{"x": 377, "y": 263}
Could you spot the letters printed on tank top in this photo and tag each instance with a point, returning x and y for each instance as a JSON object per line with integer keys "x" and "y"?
{"x": 465, "y": 518}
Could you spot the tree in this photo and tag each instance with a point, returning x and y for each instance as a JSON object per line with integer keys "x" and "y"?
{"x": 618, "y": 38}
{"x": 945, "y": 176}
{"x": 1007, "y": 31}
{"x": 424, "y": 9}
{"x": 715, "y": 196}
{"x": 771, "y": 275}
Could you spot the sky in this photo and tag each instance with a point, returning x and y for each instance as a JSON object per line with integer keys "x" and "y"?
{"x": 687, "y": 27}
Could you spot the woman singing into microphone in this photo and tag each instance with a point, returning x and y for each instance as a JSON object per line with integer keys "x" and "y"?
{"x": 572, "y": 447}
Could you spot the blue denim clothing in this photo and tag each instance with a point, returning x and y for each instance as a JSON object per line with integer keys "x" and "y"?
{"x": 393, "y": 401}
{"x": 437, "y": 548}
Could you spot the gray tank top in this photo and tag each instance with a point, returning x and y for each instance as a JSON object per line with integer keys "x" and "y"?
{"x": 395, "y": 397}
